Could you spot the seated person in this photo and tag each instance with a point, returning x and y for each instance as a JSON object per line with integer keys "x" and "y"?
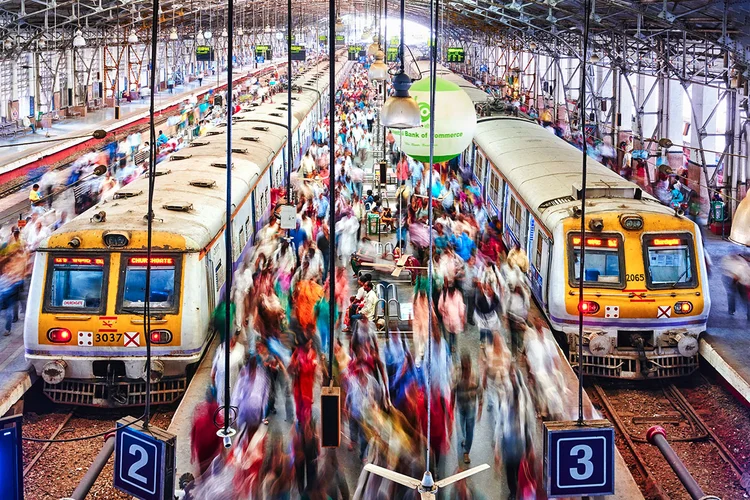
{"x": 388, "y": 220}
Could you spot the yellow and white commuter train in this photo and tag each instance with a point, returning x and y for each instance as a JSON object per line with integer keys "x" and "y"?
{"x": 646, "y": 298}
{"x": 84, "y": 330}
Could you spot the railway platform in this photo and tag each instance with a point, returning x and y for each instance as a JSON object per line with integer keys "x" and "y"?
{"x": 726, "y": 343}
{"x": 16, "y": 375}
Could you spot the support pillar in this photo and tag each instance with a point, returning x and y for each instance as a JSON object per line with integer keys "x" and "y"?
{"x": 672, "y": 122}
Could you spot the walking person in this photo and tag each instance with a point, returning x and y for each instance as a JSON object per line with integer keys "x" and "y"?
{"x": 468, "y": 399}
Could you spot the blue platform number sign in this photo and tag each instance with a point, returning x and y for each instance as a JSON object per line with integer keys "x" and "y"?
{"x": 579, "y": 459}
{"x": 11, "y": 458}
{"x": 142, "y": 462}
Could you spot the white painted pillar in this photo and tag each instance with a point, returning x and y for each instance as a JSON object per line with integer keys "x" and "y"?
{"x": 672, "y": 122}
{"x": 627, "y": 106}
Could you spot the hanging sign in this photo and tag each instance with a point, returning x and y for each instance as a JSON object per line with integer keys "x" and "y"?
{"x": 294, "y": 38}
{"x": 394, "y": 41}
{"x": 299, "y": 53}
{"x": 392, "y": 55}
{"x": 323, "y": 39}
{"x": 204, "y": 53}
{"x": 340, "y": 40}
{"x": 264, "y": 51}
{"x": 353, "y": 52}
{"x": 455, "y": 122}
{"x": 455, "y": 55}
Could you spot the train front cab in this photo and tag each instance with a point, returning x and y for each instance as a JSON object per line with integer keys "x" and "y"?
{"x": 84, "y": 331}
{"x": 645, "y": 300}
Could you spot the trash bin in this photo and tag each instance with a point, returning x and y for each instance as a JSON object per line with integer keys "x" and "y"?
{"x": 373, "y": 224}
{"x": 717, "y": 211}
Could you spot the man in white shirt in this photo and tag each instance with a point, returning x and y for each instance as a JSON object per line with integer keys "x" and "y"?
{"x": 370, "y": 302}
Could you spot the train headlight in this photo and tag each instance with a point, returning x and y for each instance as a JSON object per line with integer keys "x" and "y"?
{"x": 157, "y": 371}
{"x": 54, "y": 371}
{"x": 631, "y": 222}
{"x": 116, "y": 239}
{"x": 588, "y": 307}
{"x": 687, "y": 345}
{"x": 59, "y": 335}
{"x": 683, "y": 307}
{"x": 161, "y": 336}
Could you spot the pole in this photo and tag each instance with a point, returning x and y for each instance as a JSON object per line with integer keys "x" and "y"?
{"x": 331, "y": 177}
{"x": 229, "y": 264}
{"x": 95, "y": 469}
{"x": 289, "y": 142}
{"x": 581, "y": 267}
{"x": 657, "y": 436}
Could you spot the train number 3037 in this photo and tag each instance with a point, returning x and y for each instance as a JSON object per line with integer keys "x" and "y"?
{"x": 635, "y": 277}
{"x": 108, "y": 337}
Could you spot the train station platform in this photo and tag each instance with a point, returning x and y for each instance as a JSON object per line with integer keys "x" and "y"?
{"x": 16, "y": 375}
{"x": 482, "y": 450}
{"x": 726, "y": 344}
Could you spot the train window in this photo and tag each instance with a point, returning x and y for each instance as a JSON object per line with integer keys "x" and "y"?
{"x": 76, "y": 284}
{"x": 515, "y": 216}
{"x": 669, "y": 261}
{"x": 538, "y": 253}
{"x": 164, "y": 286}
{"x": 604, "y": 260}
{"x": 494, "y": 185}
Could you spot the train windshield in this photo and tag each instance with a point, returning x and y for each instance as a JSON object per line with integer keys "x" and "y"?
{"x": 76, "y": 283}
{"x": 603, "y": 261}
{"x": 669, "y": 261}
{"x": 163, "y": 295}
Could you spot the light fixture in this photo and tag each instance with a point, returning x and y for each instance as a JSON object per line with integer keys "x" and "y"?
{"x": 401, "y": 111}
{"x": 224, "y": 33}
{"x": 378, "y": 70}
{"x": 199, "y": 37}
{"x": 8, "y": 44}
{"x": 240, "y": 31}
{"x": 41, "y": 44}
{"x": 279, "y": 36}
{"x": 173, "y": 34}
{"x": 133, "y": 37}
{"x": 339, "y": 25}
{"x": 374, "y": 47}
{"x": 532, "y": 45}
{"x": 594, "y": 58}
{"x": 78, "y": 40}
{"x": 207, "y": 35}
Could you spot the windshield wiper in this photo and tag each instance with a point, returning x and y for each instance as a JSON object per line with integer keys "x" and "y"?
{"x": 678, "y": 279}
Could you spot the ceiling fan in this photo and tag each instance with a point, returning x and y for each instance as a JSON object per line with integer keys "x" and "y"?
{"x": 427, "y": 488}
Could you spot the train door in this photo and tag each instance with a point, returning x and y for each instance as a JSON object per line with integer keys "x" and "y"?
{"x": 210, "y": 282}
{"x": 538, "y": 253}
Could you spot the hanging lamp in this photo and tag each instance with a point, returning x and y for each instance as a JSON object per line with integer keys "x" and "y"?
{"x": 132, "y": 37}
{"x": 401, "y": 111}
{"x": 378, "y": 70}
{"x": 78, "y": 40}
{"x": 374, "y": 47}
{"x": 173, "y": 34}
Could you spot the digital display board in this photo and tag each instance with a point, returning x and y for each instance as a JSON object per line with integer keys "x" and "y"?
{"x": 204, "y": 53}
{"x": 323, "y": 39}
{"x": 455, "y": 55}
{"x": 263, "y": 51}
{"x": 353, "y": 52}
{"x": 299, "y": 53}
{"x": 340, "y": 40}
{"x": 392, "y": 54}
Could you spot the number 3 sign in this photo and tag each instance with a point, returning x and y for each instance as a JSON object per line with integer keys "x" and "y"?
{"x": 144, "y": 461}
{"x": 579, "y": 460}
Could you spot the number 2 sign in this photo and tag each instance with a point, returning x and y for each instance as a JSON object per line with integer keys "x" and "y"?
{"x": 579, "y": 459}
{"x": 144, "y": 461}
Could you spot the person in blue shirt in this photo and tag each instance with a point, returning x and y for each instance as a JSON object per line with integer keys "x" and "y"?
{"x": 162, "y": 139}
{"x": 464, "y": 245}
{"x": 322, "y": 206}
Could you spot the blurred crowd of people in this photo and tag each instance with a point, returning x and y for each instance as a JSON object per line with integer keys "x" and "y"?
{"x": 281, "y": 339}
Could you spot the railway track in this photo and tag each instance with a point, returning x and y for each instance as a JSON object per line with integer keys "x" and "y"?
{"x": 634, "y": 409}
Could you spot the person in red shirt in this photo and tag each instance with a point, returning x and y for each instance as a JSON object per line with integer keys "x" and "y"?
{"x": 205, "y": 445}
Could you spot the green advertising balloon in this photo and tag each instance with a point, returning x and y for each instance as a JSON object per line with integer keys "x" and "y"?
{"x": 455, "y": 122}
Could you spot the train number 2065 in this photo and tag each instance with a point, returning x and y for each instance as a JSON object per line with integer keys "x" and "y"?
{"x": 635, "y": 277}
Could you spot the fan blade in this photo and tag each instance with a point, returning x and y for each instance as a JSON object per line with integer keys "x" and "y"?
{"x": 461, "y": 475}
{"x": 407, "y": 481}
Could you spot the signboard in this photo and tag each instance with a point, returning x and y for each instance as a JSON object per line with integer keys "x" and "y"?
{"x": 11, "y": 457}
{"x": 299, "y": 53}
{"x": 263, "y": 50}
{"x": 392, "y": 55}
{"x": 294, "y": 38}
{"x": 323, "y": 39}
{"x": 394, "y": 41}
{"x": 340, "y": 40}
{"x": 353, "y": 52}
{"x": 288, "y": 217}
{"x": 144, "y": 461}
{"x": 362, "y": 59}
{"x": 455, "y": 55}
{"x": 579, "y": 460}
{"x": 260, "y": 59}
{"x": 204, "y": 53}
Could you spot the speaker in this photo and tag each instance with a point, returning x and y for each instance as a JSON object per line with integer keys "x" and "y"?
{"x": 117, "y": 112}
{"x": 70, "y": 97}
{"x": 619, "y": 119}
{"x": 330, "y": 417}
{"x": 383, "y": 171}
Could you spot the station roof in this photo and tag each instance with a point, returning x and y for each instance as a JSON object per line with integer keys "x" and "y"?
{"x": 693, "y": 33}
